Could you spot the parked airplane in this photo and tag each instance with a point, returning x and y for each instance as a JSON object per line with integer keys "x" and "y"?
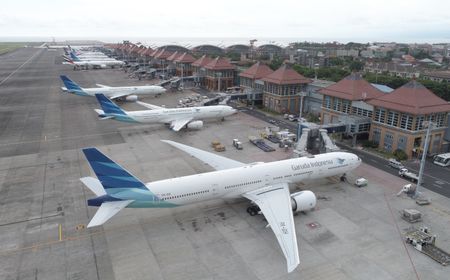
{"x": 177, "y": 118}
{"x": 128, "y": 93}
{"x": 94, "y": 64}
{"x": 101, "y": 57}
{"x": 265, "y": 184}
{"x": 88, "y": 58}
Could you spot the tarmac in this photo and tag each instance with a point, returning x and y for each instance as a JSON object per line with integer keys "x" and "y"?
{"x": 354, "y": 233}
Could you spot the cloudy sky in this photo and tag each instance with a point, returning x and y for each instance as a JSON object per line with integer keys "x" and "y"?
{"x": 323, "y": 20}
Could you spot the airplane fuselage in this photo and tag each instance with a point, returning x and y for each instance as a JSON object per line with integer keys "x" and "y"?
{"x": 131, "y": 90}
{"x": 170, "y": 114}
{"x": 232, "y": 183}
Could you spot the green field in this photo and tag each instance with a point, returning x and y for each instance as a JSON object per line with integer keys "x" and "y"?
{"x": 9, "y": 46}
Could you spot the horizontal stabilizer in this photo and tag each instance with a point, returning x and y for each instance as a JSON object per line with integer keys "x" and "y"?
{"x": 106, "y": 211}
{"x": 94, "y": 185}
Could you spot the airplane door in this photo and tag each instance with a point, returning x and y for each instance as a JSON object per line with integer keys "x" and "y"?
{"x": 215, "y": 189}
{"x": 268, "y": 180}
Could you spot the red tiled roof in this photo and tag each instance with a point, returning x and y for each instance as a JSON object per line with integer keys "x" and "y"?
{"x": 148, "y": 52}
{"x": 412, "y": 98}
{"x": 352, "y": 87}
{"x": 257, "y": 71}
{"x": 155, "y": 52}
{"x": 185, "y": 58}
{"x": 173, "y": 56}
{"x": 142, "y": 50}
{"x": 163, "y": 54}
{"x": 285, "y": 75}
{"x": 202, "y": 61}
{"x": 219, "y": 63}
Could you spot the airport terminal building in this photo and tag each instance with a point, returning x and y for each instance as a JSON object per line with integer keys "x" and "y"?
{"x": 392, "y": 120}
{"x": 398, "y": 120}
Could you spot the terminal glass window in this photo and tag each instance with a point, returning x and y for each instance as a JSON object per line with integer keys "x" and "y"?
{"x": 380, "y": 115}
{"x": 406, "y": 122}
{"x": 402, "y": 141}
{"x": 346, "y": 106}
{"x": 376, "y": 135}
{"x": 419, "y": 123}
{"x": 336, "y": 104}
{"x": 392, "y": 118}
{"x": 365, "y": 127}
{"x": 327, "y": 102}
{"x": 440, "y": 120}
{"x": 388, "y": 141}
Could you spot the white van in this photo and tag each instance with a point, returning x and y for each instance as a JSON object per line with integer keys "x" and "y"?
{"x": 395, "y": 163}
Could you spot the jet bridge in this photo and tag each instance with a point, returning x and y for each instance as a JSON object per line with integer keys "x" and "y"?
{"x": 314, "y": 139}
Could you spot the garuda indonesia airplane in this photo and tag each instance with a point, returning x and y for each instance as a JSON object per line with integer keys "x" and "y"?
{"x": 176, "y": 118}
{"x": 265, "y": 184}
{"x": 128, "y": 93}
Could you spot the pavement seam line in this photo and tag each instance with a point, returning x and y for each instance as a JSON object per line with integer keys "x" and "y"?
{"x": 9, "y": 76}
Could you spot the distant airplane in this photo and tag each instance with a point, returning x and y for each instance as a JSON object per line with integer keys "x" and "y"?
{"x": 128, "y": 93}
{"x": 265, "y": 184}
{"x": 93, "y": 63}
{"x": 177, "y": 118}
{"x": 90, "y": 57}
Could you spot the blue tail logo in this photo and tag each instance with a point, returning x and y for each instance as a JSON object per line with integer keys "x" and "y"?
{"x": 72, "y": 87}
{"x": 110, "y": 109}
{"x": 111, "y": 175}
{"x": 74, "y": 57}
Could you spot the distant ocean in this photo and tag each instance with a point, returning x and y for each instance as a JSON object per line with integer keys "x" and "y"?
{"x": 217, "y": 41}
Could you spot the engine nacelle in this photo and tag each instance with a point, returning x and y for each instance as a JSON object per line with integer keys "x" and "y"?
{"x": 303, "y": 201}
{"x": 131, "y": 98}
{"x": 195, "y": 125}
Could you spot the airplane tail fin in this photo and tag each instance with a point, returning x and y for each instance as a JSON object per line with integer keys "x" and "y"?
{"x": 112, "y": 179}
{"x": 109, "y": 107}
{"x": 111, "y": 175}
{"x": 71, "y": 86}
{"x": 74, "y": 57}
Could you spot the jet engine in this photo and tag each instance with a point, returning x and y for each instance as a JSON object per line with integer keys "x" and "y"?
{"x": 303, "y": 201}
{"x": 131, "y": 98}
{"x": 195, "y": 125}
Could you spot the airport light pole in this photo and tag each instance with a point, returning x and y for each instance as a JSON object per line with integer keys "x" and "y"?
{"x": 429, "y": 125}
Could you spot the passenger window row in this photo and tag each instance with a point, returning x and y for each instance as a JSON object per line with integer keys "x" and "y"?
{"x": 243, "y": 184}
{"x": 184, "y": 195}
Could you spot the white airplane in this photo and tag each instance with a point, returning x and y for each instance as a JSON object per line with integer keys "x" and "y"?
{"x": 177, "y": 118}
{"x": 100, "y": 57}
{"x": 95, "y": 64}
{"x": 88, "y": 58}
{"x": 265, "y": 184}
{"x": 128, "y": 93}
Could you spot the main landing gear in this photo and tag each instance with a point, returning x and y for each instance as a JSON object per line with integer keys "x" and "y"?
{"x": 253, "y": 210}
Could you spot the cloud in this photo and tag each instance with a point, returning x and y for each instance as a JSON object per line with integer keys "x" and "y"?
{"x": 352, "y": 19}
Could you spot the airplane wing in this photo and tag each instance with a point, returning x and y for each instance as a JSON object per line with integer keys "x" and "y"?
{"x": 178, "y": 124}
{"x": 275, "y": 203}
{"x": 149, "y": 106}
{"x": 117, "y": 95}
{"x": 213, "y": 160}
{"x": 103, "y": 86}
{"x": 106, "y": 211}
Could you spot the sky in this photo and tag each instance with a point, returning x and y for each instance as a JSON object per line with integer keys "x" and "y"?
{"x": 319, "y": 20}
